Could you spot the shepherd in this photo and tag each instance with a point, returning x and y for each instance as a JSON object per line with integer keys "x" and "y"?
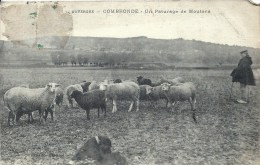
{"x": 244, "y": 75}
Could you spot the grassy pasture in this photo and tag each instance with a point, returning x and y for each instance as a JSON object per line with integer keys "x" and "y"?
{"x": 226, "y": 132}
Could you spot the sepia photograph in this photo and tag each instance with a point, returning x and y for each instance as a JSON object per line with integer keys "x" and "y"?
{"x": 103, "y": 82}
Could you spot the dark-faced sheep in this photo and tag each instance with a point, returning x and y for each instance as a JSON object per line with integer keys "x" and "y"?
{"x": 89, "y": 100}
{"x": 143, "y": 81}
{"x": 97, "y": 150}
{"x": 94, "y": 149}
{"x": 117, "y": 81}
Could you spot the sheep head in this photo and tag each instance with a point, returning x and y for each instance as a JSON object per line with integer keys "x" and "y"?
{"x": 165, "y": 86}
{"x": 149, "y": 90}
{"x": 139, "y": 78}
{"x": 103, "y": 86}
{"x": 52, "y": 86}
{"x": 104, "y": 144}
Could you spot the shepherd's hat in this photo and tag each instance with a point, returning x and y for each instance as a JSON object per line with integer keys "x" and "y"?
{"x": 244, "y": 51}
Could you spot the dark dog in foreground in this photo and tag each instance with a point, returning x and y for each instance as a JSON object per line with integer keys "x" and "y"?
{"x": 98, "y": 149}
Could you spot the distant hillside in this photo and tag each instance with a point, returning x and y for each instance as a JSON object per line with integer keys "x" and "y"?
{"x": 179, "y": 52}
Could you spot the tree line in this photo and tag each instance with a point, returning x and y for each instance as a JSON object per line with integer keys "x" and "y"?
{"x": 94, "y": 59}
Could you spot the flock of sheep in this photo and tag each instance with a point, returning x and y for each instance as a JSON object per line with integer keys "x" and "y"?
{"x": 89, "y": 95}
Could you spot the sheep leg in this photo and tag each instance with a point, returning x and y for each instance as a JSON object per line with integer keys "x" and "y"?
{"x": 98, "y": 112}
{"x": 52, "y": 111}
{"x": 31, "y": 117}
{"x": 41, "y": 113}
{"x": 11, "y": 115}
{"x": 87, "y": 111}
{"x": 52, "y": 115}
{"x": 192, "y": 103}
{"x": 174, "y": 104}
{"x": 137, "y": 105}
{"x": 114, "y": 106}
{"x": 70, "y": 103}
{"x": 131, "y": 106}
{"x": 18, "y": 115}
{"x": 46, "y": 114}
{"x": 166, "y": 103}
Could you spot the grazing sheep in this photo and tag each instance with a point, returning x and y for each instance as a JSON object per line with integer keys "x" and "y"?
{"x": 89, "y": 100}
{"x": 183, "y": 92}
{"x": 28, "y": 100}
{"x": 123, "y": 91}
{"x": 156, "y": 93}
{"x": 85, "y": 85}
{"x": 94, "y": 149}
{"x": 143, "y": 81}
{"x": 68, "y": 92}
{"x": 117, "y": 81}
{"x": 175, "y": 81}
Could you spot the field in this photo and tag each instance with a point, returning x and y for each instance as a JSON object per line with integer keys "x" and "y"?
{"x": 226, "y": 132}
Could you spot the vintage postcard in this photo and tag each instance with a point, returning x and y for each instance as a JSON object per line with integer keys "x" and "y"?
{"x": 130, "y": 82}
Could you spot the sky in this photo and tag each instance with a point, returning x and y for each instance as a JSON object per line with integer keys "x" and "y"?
{"x": 232, "y": 22}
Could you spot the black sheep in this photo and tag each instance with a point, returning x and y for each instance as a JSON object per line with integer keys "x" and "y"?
{"x": 99, "y": 149}
{"x": 89, "y": 100}
{"x": 94, "y": 149}
{"x": 117, "y": 81}
{"x": 143, "y": 81}
{"x": 59, "y": 99}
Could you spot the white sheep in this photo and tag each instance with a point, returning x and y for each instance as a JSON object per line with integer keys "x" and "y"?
{"x": 68, "y": 91}
{"x": 175, "y": 81}
{"x": 19, "y": 99}
{"x": 122, "y": 91}
{"x": 156, "y": 93}
{"x": 93, "y": 85}
{"x": 182, "y": 92}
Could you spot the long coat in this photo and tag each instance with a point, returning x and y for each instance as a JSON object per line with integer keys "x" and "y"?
{"x": 243, "y": 73}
